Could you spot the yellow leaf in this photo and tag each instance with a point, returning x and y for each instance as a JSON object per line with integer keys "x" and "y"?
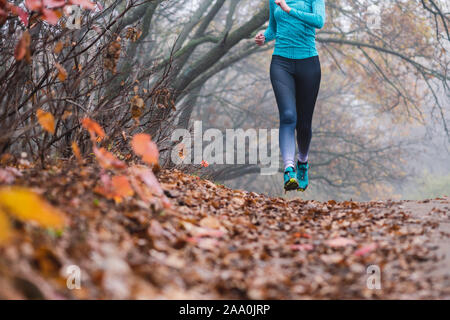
{"x": 5, "y": 228}
{"x": 46, "y": 120}
{"x": 25, "y": 205}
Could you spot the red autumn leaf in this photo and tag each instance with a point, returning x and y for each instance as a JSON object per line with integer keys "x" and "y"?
{"x": 51, "y": 16}
{"x": 107, "y": 160}
{"x": 143, "y": 146}
{"x": 86, "y": 4}
{"x": 93, "y": 127}
{"x": 20, "y": 13}
{"x": 54, "y": 3}
{"x": 366, "y": 249}
{"x": 34, "y": 5}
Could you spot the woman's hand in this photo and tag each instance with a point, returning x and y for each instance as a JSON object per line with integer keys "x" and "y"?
{"x": 283, "y": 5}
{"x": 260, "y": 39}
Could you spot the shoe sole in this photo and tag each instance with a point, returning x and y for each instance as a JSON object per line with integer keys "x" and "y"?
{"x": 301, "y": 189}
{"x": 292, "y": 184}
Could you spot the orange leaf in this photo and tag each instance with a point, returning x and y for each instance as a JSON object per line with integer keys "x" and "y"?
{"x": 76, "y": 152}
{"x": 143, "y": 146}
{"x": 121, "y": 186}
{"x": 116, "y": 188}
{"x": 46, "y": 120}
{"x": 58, "y": 47}
{"x": 107, "y": 160}
{"x": 62, "y": 73}
{"x": 94, "y": 128}
{"x": 27, "y": 205}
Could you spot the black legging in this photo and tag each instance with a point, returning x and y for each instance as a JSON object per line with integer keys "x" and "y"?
{"x": 296, "y": 84}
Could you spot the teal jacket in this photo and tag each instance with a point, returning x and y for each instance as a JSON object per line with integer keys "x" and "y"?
{"x": 295, "y": 32}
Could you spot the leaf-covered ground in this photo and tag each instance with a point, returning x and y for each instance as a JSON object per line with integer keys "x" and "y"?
{"x": 214, "y": 242}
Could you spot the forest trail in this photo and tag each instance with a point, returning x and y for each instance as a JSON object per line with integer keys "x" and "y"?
{"x": 213, "y": 242}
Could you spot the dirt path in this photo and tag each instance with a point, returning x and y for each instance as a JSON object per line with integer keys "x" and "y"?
{"x": 435, "y": 211}
{"x": 214, "y": 242}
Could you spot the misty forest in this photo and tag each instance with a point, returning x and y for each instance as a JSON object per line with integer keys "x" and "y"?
{"x": 92, "y": 95}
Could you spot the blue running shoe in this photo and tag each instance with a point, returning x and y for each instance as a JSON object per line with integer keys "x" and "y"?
{"x": 302, "y": 175}
{"x": 290, "y": 179}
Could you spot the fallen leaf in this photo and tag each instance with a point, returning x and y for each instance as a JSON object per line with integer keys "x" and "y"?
{"x": 365, "y": 249}
{"x": 340, "y": 242}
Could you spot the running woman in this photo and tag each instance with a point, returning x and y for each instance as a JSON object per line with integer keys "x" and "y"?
{"x": 295, "y": 75}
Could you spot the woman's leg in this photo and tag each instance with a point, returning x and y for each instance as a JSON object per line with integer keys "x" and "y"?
{"x": 307, "y": 83}
{"x": 283, "y": 83}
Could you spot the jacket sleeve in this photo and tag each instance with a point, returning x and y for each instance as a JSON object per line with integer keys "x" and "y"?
{"x": 271, "y": 30}
{"x": 315, "y": 19}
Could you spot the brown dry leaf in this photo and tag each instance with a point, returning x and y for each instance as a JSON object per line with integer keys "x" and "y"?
{"x": 46, "y": 120}
{"x": 66, "y": 114}
{"x": 210, "y": 222}
{"x": 137, "y": 106}
{"x": 58, "y": 47}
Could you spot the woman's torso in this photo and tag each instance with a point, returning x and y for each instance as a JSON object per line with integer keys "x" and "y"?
{"x": 294, "y": 38}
